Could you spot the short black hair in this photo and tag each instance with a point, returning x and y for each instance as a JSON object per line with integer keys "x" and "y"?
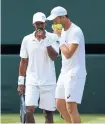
{"x": 67, "y": 16}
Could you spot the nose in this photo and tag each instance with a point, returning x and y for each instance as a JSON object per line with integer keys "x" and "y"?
{"x": 39, "y": 26}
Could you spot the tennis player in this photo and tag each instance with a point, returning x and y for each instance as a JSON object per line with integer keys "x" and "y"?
{"x": 38, "y": 52}
{"x": 71, "y": 81}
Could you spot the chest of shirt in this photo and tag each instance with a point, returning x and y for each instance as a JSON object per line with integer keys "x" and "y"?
{"x": 36, "y": 47}
{"x": 69, "y": 36}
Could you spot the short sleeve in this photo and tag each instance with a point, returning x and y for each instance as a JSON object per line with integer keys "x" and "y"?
{"x": 23, "y": 49}
{"x": 75, "y": 37}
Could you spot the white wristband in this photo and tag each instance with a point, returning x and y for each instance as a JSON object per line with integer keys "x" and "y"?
{"x": 21, "y": 80}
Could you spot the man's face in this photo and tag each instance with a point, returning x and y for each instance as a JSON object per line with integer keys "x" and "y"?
{"x": 39, "y": 24}
{"x": 40, "y": 34}
{"x": 59, "y": 20}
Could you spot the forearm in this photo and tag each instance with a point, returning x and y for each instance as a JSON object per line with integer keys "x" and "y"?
{"x": 64, "y": 47}
{"x": 22, "y": 71}
{"x": 52, "y": 53}
{"x": 65, "y": 50}
{"x": 68, "y": 50}
{"x": 23, "y": 67}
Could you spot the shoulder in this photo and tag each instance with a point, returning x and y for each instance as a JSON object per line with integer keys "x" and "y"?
{"x": 27, "y": 37}
{"x": 76, "y": 30}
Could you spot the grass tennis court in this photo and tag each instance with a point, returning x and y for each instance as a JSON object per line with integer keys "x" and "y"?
{"x": 86, "y": 118}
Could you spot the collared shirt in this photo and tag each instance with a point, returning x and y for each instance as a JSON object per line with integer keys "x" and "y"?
{"x": 41, "y": 69}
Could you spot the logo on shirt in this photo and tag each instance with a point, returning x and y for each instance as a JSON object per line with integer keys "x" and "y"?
{"x": 68, "y": 96}
{"x": 57, "y": 42}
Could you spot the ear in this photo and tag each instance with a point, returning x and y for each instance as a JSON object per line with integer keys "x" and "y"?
{"x": 45, "y": 23}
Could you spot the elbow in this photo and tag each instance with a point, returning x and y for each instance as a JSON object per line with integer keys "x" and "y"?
{"x": 67, "y": 56}
{"x": 24, "y": 61}
{"x": 53, "y": 58}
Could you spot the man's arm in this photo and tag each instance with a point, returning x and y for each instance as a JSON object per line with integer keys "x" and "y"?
{"x": 23, "y": 66}
{"x": 22, "y": 71}
{"x": 68, "y": 50}
{"x": 52, "y": 53}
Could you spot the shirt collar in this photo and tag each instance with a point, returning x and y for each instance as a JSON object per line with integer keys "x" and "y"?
{"x": 33, "y": 36}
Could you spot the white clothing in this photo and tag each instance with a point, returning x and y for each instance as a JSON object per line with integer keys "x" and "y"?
{"x": 70, "y": 88}
{"x": 71, "y": 81}
{"x": 41, "y": 69}
{"x": 46, "y": 94}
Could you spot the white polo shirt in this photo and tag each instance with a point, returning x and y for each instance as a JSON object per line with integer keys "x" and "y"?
{"x": 76, "y": 64}
{"x": 41, "y": 69}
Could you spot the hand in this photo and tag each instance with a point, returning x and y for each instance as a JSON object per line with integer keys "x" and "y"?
{"x": 40, "y": 34}
{"x": 20, "y": 89}
{"x": 57, "y": 28}
{"x": 58, "y": 32}
{"x": 61, "y": 41}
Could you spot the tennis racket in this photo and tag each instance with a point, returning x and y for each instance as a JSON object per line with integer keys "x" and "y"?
{"x": 22, "y": 110}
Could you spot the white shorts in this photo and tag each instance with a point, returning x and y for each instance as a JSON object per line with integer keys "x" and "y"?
{"x": 45, "y": 93}
{"x": 70, "y": 88}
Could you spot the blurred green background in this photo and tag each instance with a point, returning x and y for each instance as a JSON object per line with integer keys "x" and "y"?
{"x": 17, "y": 16}
{"x": 16, "y": 22}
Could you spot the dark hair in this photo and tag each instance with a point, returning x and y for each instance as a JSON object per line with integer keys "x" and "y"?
{"x": 67, "y": 16}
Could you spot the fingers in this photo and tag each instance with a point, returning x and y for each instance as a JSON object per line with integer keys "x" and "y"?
{"x": 20, "y": 89}
{"x": 58, "y": 32}
{"x": 20, "y": 93}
